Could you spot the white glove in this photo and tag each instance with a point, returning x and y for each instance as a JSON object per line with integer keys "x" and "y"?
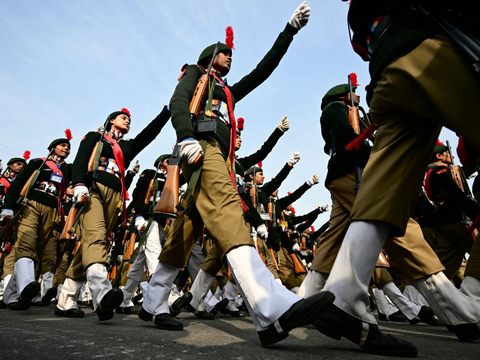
{"x": 189, "y": 150}
{"x": 140, "y": 223}
{"x": 78, "y": 192}
{"x": 295, "y": 158}
{"x": 262, "y": 231}
{"x": 300, "y": 16}
{"x": 136, "y": 167}
{"x": 304, "y": 262}
{"x": 309, "y": 265}
{"x": 296, "y": 247}
{"x": 99, "y": 129}
{"x": 119, "y": 258}
{"x": 313, "y": 180}
{"x": 6, "y": 213}
{"x": 284, "y": 124}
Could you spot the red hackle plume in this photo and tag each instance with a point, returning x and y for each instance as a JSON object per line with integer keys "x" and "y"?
{"x": 312, "y": 228}
{"x": 229, "y": 37}
{"x": 439, "y": 143}
{"x": 289, "y": 193}
{"x": 68, "y": 134}
{"x": 259, "y": 164}
{"x": 26, "y": 154}
{"x": 125, "y": 110}
{"x": 293, "y": 210}
{"x": 353, "y": 79}
{"x": 240, "y": 123}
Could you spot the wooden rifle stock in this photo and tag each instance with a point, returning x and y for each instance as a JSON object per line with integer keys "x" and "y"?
{"x": 67, "y": 231}
{"x": 150, "y": 190}
{"x": 304, "y": 244}
{"x": 297, "y": 264}
{"x": 253, "y": 195}
{"x": 272, "y": 254}
{"x": 270, "y": 209}
{"x": 382, "y": 261}
{"x": 91, "y": 161}
{"x": 130, "y": 247}
{"x": 353, "y": 119}
{"x": 199, "y": 95}
{"x": 167, "y": 205}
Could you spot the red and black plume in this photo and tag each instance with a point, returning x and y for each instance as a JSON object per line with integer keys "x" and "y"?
{"x": 26, "y": 154}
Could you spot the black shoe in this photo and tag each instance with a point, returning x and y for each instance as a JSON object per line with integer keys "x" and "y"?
{"x": 71, "y": 313}
{"x": 104, "y": 315}
{"x": 137, "y": 298}
{"x": 27, "y": 294}
{"x": 49, "y": 295}
{"x": 37, "y": 303}
{"x": 336, "y": 323}
{"x": 202, "y": 315}
{"x": 180, "y": 303}
{"x": 301, "y": 313}
{"x": 397, "y": 317}
{"x": 167, "y": 322}
{"x": 18, "y": 306}
{"x": 145, "y": 315}
{"x": 382, "y": 316}
{"x": 427, "y": 316}
{"x": 465, "y": 332}
{"x": 124, "y": 310}
{"x": 221, "y": 306}
{"x": 111, "y": 300}
{"x": 2, "y": 305}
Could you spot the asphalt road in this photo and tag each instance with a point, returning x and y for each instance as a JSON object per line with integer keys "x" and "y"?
{"x": 38, "y": 334}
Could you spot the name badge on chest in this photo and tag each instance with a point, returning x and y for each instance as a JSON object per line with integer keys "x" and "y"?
{"x": 56, "y": 178}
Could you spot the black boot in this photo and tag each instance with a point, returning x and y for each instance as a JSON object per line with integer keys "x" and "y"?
{"x": 336, "y": 323}
{"x": 180, "y": 303}
{"x": 427, "y": 316}
{"x": 110, "y": 301}
{"x": 71, "y": 313}
{"x": 301, "y": 313}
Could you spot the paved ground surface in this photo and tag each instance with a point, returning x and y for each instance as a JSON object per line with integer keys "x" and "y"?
{"x": 38, "y": 334}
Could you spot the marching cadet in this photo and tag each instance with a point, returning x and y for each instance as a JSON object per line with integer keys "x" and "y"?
{"x": 215, "y": 202}
{"x": 452, "y": 206}
{"x": 14, "y": 166}
{"x": 341, "y": 181}
{"x": 106, "y": 192}
{"x": 150, "y": 184}
{"x": 416, "y": 79}
{"x": 213, "y": 263}
{"x": 45, "y": 181}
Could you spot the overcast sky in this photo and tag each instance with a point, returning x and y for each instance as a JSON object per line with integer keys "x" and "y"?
{"x": 68, "y": 64}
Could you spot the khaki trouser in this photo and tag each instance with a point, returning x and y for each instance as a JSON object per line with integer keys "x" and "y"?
{"x": 9, "y": 263}
{"x": 49, "y": 256}
{"x": 34, "y": 226}
{"x": 287, "y": 271}
{"x": 453, "y": 243}
{"x": 410, "y": 253}
{"x": 215, "y": 204}
{"x": 96, "y": 223}
{"x": 430, "y": 87}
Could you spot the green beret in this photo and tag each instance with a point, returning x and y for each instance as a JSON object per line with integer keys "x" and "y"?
{"x": 250, "y": 171}
{"x": 160, "y": 159}
{"x": 114, "y": 114}
{"x": 440, "y": 149}
{"x": 56, "y": 142}
{"x": 208, "y": 51}
{"x": 338, "y": 90}
{"x": 16, "y": 159}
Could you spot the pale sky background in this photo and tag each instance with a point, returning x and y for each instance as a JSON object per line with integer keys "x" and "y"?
{"x": 68, "y": 64}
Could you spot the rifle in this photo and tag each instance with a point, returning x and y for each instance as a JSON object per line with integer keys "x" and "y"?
{"x": 297, "y": 264}
{"x": 273, "y": 255}
{"x": 353, "y": 119}
{"x": 68, "y": 229}
{"x": 31, "y": 180}
{"x": 168, "y": 205}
